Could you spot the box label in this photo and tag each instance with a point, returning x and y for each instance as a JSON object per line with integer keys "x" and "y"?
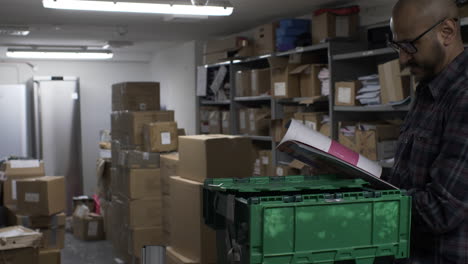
{"x": 342, "y": 26}
{"x": 279, "y": 171}
{"x": 280, "y": 88}
{"x": 311, "y": 124}
{"x": 225, "y": 124}
{"x": 142, "y": 107}
{"x": 31, "y": 197}
{"x": 166, "y": 138}
{"x": 265, "y": 160}
{"x": 93, "y": 228}
{"x": 13, "y": 190}
{"x": 257, "y": 167}
{"x": 146, "y": 155}
{"x": 19, "y": 164}
{"x": 242, "y": 120}
{"x": 344, "y": 95}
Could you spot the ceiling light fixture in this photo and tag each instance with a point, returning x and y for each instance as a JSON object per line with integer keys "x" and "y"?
{"x": 221, "y": 8}
{"x": 59, "y": 54}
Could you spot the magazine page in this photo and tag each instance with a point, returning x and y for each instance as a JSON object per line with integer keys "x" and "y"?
{"x": 308, "y": 145}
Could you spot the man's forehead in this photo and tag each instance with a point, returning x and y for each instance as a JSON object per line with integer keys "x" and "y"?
{"x": 406, "y": 28}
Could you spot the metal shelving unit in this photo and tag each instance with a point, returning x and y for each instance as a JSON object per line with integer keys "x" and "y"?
{"x": 364, "y": 54}
{"x": 253, "y": 98}
{"x": 376, "y": 108}
{"x": 213, "y": 103}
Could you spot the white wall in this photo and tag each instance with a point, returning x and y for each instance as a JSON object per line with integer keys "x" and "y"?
{"x": 175, "y": 68}
{"x": 96, "y": 79}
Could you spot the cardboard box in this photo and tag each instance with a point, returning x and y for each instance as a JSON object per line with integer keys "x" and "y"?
{"x": 134, "y": 159}
{"x": 283, "y": 170}
{"x": 160, "y": 137}
{"x": 89, "y": 228}
{"x": 348, "y": 141}
{"x": 243, "y": 83}
{"x": 215, "y": 122}
{"x": 135, "y": 96}
{"x": 53, "y": 238}
{"x": 14, "y": 237}
{"x": 260, "y": 82}
{"x": 265, "y": 39}
{"x": 283, "y": 83}
{"x": 41, "y": 196}
{"x": 309, "y": 83}
{"x": 205, "y": 119}
{"x": 313, "y": 120}
{"x": 215, "y": 156}
{"x": 49, "y": 256}
{"x": 226, "y": 122}
{"x": 225, "y": 44}
{"x": 378, "y": 143}
{"x": 243, "y": 122}
{"x": 345, "y": 93}
{"x": 84, "y": 200}
{"x": 326, "y": 130}
{"x": 328, "y": 25}
{"x": 27, "y": 255}
{"x": 36, "y": 222}
{"x": 128, "y": 126}
{"x": 279, "y": 126}
{"x": 142, "y": 212}
{"x": 141, "y": 183}
{"x": 267, "y": 168}
{"x": 393, "y": 86}
{"x": 174, "y": 257}
{"x": 15, "y": 170}
{"x": 216, "y": 57}
{"x": 144, "y": 236}
{"x": 259, "y": 121}
{"x": 189, "y": 235}
{"x": 169, "y": 164}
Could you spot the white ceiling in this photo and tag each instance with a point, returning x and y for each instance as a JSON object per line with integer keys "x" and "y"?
{"x": 149, "y": 32}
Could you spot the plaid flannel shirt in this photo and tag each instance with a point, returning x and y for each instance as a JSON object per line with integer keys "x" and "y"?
{"x": 431, "y": 162}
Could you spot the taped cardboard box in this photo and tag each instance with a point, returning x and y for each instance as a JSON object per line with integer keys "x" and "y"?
{"x": 192, "y": 239}
{"x": 144, "y": 212}
{"x": 160, "y": 137}
{"x": 243, "y": 122}
{"x": 174, "y": 257}
{"x": 135, "y": 96}
{"x": 166, "y": 207}
{"x": 226, "y": 122}
{"x": 260, "y": 82}
{"x": 393, "y": 86}
{"x": 215, "y": 156}
{"x": 284, "y": 84}
{"x": 128, "y": 126}
{"x": 49, "y": 256}
{"x": 14, "y": 170}
{"x": 309, "y": 83}
{"x": 53, "y": 238}
{"x": 103, "y": 173}
{"x": 41, "y": 196}
{"x": 328, "y": 26}
{"x": 345, "y": 93}
{"x": 326, "y": 130}
{"x": 265, "y": 39}
{"x": 140, "y": 237}
{"x": 169, "y": 164}
{"x": 17, "y": 237}
{"x": 134, "y": 159}
{"x": 259, "y": 121}
{"x": 89, "y": 227}
{"x": 311, "y": 119}
{"x": 215, "y": 122}
{"x": 284, "y": 170}
{"x": 378, "y": 142}
{"x": 141, "y": 183}
{"x": 243, "y": 83}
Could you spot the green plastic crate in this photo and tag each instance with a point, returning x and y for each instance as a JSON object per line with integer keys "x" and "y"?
{"x": 297, "y": 219}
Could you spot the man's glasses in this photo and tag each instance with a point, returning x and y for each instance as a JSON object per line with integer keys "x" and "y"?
{"x": 408, "y": 46}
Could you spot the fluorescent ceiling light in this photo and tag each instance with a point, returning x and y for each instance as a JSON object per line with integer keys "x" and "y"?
{"x": 155, "y": 8}
{"x": 59, "y": 54}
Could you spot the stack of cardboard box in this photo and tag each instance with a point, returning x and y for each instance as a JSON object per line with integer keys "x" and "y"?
{"x": 255, "y": 121}
{"x": 201, "y": 157}
{"x": 40, "y": 206}
{"x": 139, "y": 138}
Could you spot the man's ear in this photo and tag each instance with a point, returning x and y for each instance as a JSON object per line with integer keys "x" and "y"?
{"x": 448, "y": 31}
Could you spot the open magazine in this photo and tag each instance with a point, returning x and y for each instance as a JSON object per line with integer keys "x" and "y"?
{"x": 311, "y": 147}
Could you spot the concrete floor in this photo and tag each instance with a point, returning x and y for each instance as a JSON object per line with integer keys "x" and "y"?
{"x": 90, "y": 252}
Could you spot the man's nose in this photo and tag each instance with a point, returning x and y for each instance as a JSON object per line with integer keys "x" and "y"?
{"x": 405, "y": 57}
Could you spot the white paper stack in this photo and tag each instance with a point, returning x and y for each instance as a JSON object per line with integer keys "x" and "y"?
{"x": 324, "y": 76}
{"x": 369, "y": 94}
{"x": 348, "y": 131}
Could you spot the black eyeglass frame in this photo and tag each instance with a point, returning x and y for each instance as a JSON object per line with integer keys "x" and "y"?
{"x": 410, "y": 44}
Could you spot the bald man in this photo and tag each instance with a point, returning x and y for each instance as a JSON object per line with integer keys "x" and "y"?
{"x": 432, "y": 155}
